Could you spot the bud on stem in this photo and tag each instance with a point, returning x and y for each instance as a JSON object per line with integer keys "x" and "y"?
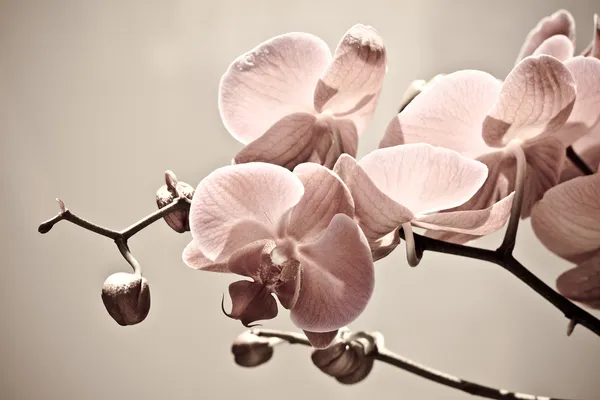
{"x": 126, "y": 298}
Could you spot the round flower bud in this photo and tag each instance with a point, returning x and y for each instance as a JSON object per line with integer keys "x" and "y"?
{"x": 126, "y": 298}
{"x": 178, "y": 220}
{"x": 349, "y": 359}
{"x": 250, "y": 350}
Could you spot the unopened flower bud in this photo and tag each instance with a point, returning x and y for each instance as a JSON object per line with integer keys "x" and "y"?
{"x": 178, "y": 220}
{"x": 126, "y": 298}
{"x": 250, "y": 350}
{"x": 349, "y": 359}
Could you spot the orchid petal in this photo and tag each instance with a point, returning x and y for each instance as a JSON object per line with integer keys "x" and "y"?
{"x": 337, "y": 277}
{"x": 448, "y": 114}
{"x": 424, "y": 178}
{"x": 557, "y": 46}
{"x": 586, "y": 111}
{"x": 537, "y": 97}
{"x": 251, "y": 302}
{"x": 194, "y": 258}
{"x": 582, "y": 283}
{"x": 274, "y": 79}
{"x": 336, "y": 138}
{"x": 325, "y": 195}
{"x": 321, "y": 340}
{"x": 354, "y": 79}
{"x": 248, "y": 260}
{"x": 473, "y": 222}
{"x": 545, "y": 159}
{"x": 376, "y": 213}
{"x": 289, "y": 142}
{"x": 559, "y": 23}
{"x": 257, "y": 194}
{"x": 565, "y": 220}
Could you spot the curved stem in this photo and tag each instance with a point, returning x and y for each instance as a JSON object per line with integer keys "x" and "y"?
{"x": 578, "y": 162}
{"x": 576, "y": 314}
{"x": 390, "y": 358}
{"x": 411, "y": 254}
{"x": 126, "y": 253}
{"x": 510, "y": 236}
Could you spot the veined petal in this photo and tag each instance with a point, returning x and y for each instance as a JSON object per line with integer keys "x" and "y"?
{"x": 256, "y": 195}
{"x": 545, "y": 159}
{"x": 355, "y": 77}
{"x": 537, "y": 97}
{"x": 276, "y": 78}
{"x": 194, "y": 258}
{"x": 321, "y": 340}
{"x": 376, "y": 213}
{"x": 582, "y": 283}
{"x": 289, "y": 142}
{"x": 448, "y": 114}
{"x": 325, "y": 195}
{"x": 566, "y": 219}
{"x": 557, "y": 46}
{"x": 471, "y": 222}
{"x": 335, "y": 138}
{"x": 586, "y": 111}
{"x": 337, "y": 278}
{"x": 559, "y": 23}
{"x": 424, "y": 178}
{"x": 251, "y": 302}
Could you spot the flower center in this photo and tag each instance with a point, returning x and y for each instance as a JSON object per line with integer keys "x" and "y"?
{"x": 278, "y": 264}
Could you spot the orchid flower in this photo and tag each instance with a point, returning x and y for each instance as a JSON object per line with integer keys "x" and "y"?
{"x": 480, "y": 117}
{"x": 291, "y": 102}
{"x": 555, "y": 36}
{"x": 293, "y": 234}
{"x": 567, "y": 222}
{"x": 406, "y": 185}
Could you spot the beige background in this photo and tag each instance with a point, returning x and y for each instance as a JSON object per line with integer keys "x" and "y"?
{"x": 98, "y": 98}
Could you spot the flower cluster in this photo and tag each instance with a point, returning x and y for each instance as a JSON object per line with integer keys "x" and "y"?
{"x": 299, "y": 216}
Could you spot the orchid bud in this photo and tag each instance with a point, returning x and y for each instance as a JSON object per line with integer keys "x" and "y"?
{"x": 126, "y": 298}
{"x": 349, "y": 360}
{"x": 250, "y": 350}
{"x": 178, "y": 220}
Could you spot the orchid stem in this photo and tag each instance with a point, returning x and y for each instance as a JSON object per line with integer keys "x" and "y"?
{"x": 510, "y": 236}
{"x": 386, "y": 356}
{"x": 126, "y": 253}
{"x": 507, "y": 261}
{"x": 578, "y": 162}
{"x": 411, "y": 253}
{"x": 120, "y": 237}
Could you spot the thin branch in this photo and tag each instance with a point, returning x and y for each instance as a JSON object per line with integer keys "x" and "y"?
{"x": 510, "y": 236}
{"x": 507, "y": 261}
{"x": 578, "y": 162}
{"x": 390, "y": 358}
{"x": 126, "y": 253}
{"x": 177, "y": 204}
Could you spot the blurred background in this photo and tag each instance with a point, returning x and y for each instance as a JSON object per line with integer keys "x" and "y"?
{"x": 99, "y": 98}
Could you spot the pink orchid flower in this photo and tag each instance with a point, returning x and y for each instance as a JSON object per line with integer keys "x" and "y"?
{"x": 480, "y": 117}
{"x": 555, "y": 36}
{"x": 567, "y": 222}
{"x": 293, "y": 234}
{"x": 408, "y": 184}
{"x": 291, "y": 102}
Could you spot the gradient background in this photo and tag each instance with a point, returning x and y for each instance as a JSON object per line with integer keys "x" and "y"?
{"x": 98, "y": 98}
